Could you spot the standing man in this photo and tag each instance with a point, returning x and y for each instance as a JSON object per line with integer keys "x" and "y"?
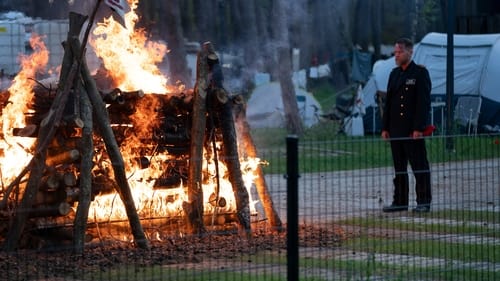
{"x": 405, "y": 119}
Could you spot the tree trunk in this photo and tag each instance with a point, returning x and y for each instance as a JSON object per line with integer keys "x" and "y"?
{"x": 205, "y": 19}
{"x": 293, "y": 121}
{"x": 361, "y": 31}
{"x": 376, "y": 27}
{"x": 263, "y": 18}
{"x": 177, "y": 55}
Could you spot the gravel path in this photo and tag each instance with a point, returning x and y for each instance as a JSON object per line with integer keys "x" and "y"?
{"x": 473, "y": 185}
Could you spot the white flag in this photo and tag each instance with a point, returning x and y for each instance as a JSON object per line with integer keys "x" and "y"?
{"x": 120, "y": 7}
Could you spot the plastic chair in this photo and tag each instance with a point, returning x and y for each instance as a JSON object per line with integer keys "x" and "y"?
{"x": 302, "y": 104}
{"x": 467, "y": 112}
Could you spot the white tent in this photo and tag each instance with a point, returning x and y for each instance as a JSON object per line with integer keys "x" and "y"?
{"x": 265, "y": 107}
{"x": 476, "y": 72}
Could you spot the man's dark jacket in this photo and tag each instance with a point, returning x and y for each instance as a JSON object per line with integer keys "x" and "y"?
{"x": 408, "y": 99}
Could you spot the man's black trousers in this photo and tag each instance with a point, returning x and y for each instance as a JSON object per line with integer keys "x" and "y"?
{"x": 414, "y": 152}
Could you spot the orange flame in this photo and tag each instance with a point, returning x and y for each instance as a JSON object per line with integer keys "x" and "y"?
{"x": 129, "y": 57}
{"x": 16, "y": 149}
{"x": 132, "y": 61}
{"x": 151, "y": 202}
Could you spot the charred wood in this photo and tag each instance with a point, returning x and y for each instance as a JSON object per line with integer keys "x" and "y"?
{"x": 250, "y": 150}
{"x": 47, "y": 131}
{"x": 84, "y": 196}
{"x": 69, "y": 178}
{"x": 57, "y": 209}
{"x": 50, "y": 197}
{"x": 65, "y": 157}
{"x": 102, "y": 120}
{"x": 194, "y": 207}
{"x": 50, "y": 182}
{"x": 224, "y": 116}
{"x": 30, "y": 130}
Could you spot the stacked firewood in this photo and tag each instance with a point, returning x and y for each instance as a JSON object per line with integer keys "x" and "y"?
{"x": 66, "y": 166}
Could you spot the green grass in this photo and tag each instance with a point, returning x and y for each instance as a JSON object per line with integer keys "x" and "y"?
{"x": 134, "y": 272}
{"x": 364, "y": 269}
{"x": 466, "y": 228}
{"x": 321, "y": 150}
{"x": 344, "y": 270}
{"x": 324, "y": 93}
{"x": 485, "y": 217}
{"x": 411, "y": 245}
{"x": 159, "y": 273}
{"x": 427, "y": 248}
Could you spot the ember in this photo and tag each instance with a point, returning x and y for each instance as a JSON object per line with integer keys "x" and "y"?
{"x": 158, "y": 151}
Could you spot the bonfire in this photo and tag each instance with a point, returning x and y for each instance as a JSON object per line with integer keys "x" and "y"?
{"x": 124, "y": 144}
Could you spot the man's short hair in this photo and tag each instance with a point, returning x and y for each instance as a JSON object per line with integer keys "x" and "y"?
{"x": 407, "y": 43}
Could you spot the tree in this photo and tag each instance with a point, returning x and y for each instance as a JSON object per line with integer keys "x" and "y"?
{"x": 177, "y": 56}
{"x": 293, "y": 121}
{"x": 361, "y": 30}
{"x": 376, "y": 20}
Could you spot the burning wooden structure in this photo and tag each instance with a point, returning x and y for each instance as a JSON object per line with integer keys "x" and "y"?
{"x": 164, "y": 155}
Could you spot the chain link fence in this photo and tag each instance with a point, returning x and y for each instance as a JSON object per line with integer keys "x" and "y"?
{"x": 329, "y": 195}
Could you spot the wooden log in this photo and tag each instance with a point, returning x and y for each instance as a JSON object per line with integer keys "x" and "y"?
{"x": 194, "y": 206}
{"x": 65, "y": 157}
{"x": 72, "y": 109}
{"x": 58, "y": 209}
{"x": 249, "y": 148}
{"x": 85, "y": 194}
{"x": 69, "y": 178}
{"x": 113, "y": 97}
{"x": 30, "y": 130}
{"x": 132, "y": 94}
{"x": 72, "y": 194}
{"x": 52, "y": 121}
{"x": 74, "y": 121}
{"x": 104, "y": 126}
{"x": 224, "y": 115}
{"x": 50, "y": 182}
{"x": 44, "y": 197}
{"x": 65, "y": 143}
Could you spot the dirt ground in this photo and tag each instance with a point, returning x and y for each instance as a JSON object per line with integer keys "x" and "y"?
{"x": 105, "y": 253}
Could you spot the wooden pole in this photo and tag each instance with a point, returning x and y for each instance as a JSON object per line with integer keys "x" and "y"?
{"x": 224, "y": 115}
{"x": 104, "y": 126}
{"x": 194, "y": 206}
{"x": 86, "y": 148}
{"x": 87, "y": 31}
{"x": 249, "y": 148}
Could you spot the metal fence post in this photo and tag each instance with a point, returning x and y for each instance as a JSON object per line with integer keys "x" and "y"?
{"x": 292, "y": 208}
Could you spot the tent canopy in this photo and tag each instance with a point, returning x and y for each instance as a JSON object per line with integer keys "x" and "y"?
{"x": 265, "y": 107}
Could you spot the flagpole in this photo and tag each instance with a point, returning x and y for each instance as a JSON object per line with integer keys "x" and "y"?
{"x": 87, "y": 31}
